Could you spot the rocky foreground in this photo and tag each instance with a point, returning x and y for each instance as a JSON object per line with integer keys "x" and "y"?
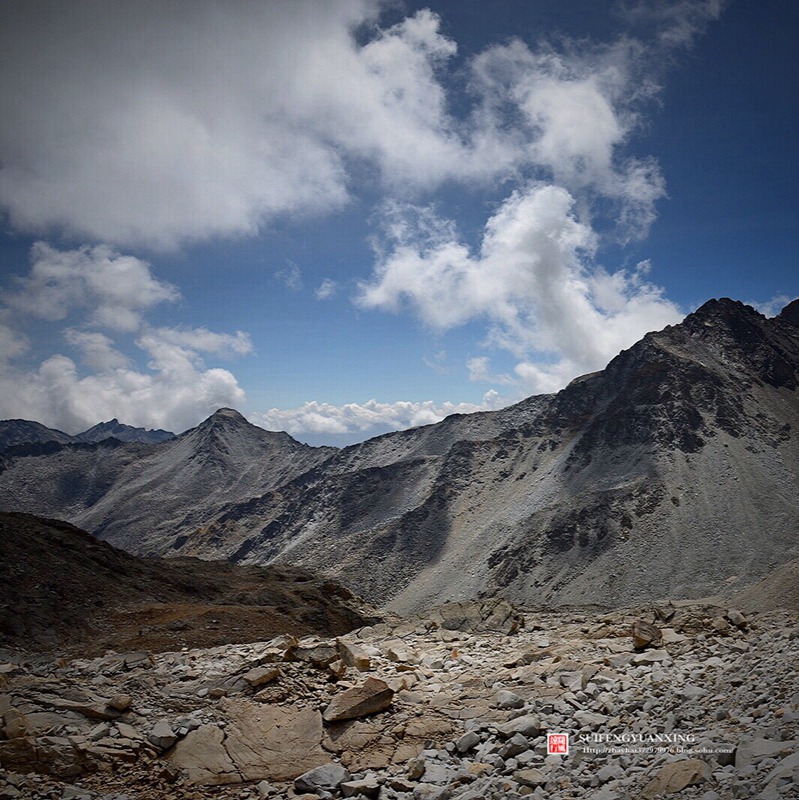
{"x": 702, "y": 702}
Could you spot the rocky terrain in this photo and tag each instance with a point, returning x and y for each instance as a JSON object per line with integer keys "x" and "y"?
{"x": 671, "y": 473}
{"x": 677, "y": 700}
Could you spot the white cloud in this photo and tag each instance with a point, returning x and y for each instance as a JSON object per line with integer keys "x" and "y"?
{"x": 160, "y": 123}
{"x": 479, "y": 369}
{"x": 175, "y": 393}
{"x": 101, "y": 288}
{"x": 326, "y": 290}
{"x": 97, "y": 349}
{"x": 772, "y": 306}
{"x": 13, "y": 343}
{"x": 532, "y": 282}
{"x": 677, "y": 23}
{"x": 368, "y": 419}
{"x": 163, "y": 123}
{"x": 116, "y": 288}
{"x": 56, "y": 395}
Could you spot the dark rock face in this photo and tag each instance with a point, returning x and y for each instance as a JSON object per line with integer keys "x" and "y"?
{"x": 672, "y": 472}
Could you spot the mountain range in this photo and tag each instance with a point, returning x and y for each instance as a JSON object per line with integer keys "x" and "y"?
{"x": 22, "y": 431}
{"x": 672, "y": 472}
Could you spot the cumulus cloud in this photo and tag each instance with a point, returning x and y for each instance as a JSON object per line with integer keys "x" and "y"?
{"x": 370, "y": 418}
{"x": 533, "y": 282}
{"x": 116, "y": 289}
{"x": 175, "y": 392}
{"x": 102, "y": 290}
{"x": 174, "y": 398}
{"x": 162, "y": 123}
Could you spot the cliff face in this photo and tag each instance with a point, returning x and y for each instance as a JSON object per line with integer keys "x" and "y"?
{"x": 671, "y": 472}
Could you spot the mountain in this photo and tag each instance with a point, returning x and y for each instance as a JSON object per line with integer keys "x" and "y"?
{"x": 144, "y": 497}
{"x": 15, "y": 432}
{"x": 21, "y": 432}
{"x": 125, "y": 433}
{"x": 672, "y": 472}
{"x": 60, "y": 587}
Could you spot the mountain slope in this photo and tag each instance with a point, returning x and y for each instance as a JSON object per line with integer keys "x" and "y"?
{"x": 61, "y": 587}
{"x": 671, "y": 472}
{"x": 143, "y": 497}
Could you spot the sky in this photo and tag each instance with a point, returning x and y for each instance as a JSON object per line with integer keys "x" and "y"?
{"x": 345, "y": 217}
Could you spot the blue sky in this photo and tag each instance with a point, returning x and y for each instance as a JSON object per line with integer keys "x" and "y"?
{"x": 347, "y": 217}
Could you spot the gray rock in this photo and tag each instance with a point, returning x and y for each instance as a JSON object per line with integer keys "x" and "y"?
{"x": 507, "y": 699}
{"x": 467, "y": 742}
{"x": 366, "y": 787}
{"x": 161, "y": 735}
{"x": 429, "y": 791}
{"x": 527, "y": 725}
{"x": 327, "y": 777}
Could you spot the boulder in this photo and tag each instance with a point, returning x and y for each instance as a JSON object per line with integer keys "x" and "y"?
{"x": 204, "y": 759}
{"x": 260, "y": 742}
{"x": 318, "y": 654}
{"x": 496, "y": 616}
{"x": 505, "y": 698}
{"x": 360, "y": 701}
{"x": 161, "y": 735}
{"x": 366, "y": 787}
{"x": 328, "y": 777}
{"x": 526, "y": 725}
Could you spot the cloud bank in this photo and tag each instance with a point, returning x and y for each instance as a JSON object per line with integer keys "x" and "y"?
{"x": 372, "y": 417}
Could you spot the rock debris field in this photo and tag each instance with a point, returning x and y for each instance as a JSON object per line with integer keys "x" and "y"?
{"x": 701, "y": 702}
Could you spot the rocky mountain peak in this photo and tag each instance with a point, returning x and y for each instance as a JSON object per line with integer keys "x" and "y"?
{"x": 228, "y": 413}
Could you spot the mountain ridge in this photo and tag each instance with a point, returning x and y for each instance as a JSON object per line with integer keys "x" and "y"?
{"x": 647, "y": 479}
